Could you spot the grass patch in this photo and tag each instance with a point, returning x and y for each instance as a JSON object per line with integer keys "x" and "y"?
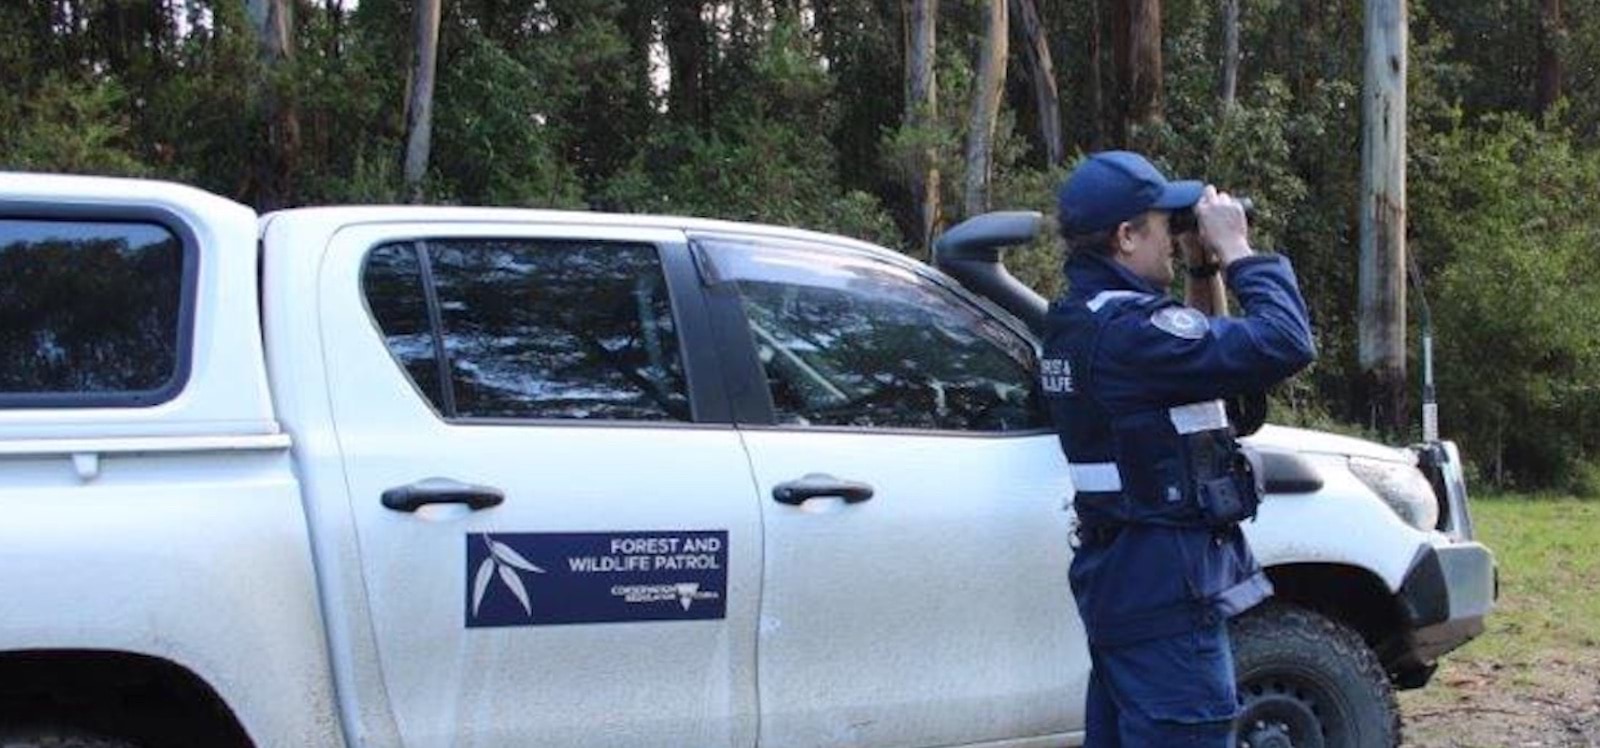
{"x": 1548, "y": 551}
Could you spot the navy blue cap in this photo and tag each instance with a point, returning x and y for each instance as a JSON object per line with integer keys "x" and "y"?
{"x": 1110, "y": 187}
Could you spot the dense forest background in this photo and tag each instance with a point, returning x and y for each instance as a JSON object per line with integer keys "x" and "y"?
{"x": 888, "y": 119}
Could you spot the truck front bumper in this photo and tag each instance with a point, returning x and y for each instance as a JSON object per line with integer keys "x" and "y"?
{"x": 1443, "y": 601}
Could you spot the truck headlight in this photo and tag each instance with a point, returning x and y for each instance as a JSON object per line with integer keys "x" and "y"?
{"x": 1402, "y": 487}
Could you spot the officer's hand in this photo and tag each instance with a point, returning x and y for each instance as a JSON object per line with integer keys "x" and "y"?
{"x": 1222, "y": 225}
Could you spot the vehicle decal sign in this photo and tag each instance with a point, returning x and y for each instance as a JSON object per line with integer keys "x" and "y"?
{"x": 538, "y": 579}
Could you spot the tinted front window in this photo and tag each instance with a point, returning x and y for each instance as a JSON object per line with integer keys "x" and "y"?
{"x": 540, "y": 329}
{"x": 89, "y": 308}
{"x": 854, "y": 342}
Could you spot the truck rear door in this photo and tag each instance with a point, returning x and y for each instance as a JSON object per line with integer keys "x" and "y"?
{"x": 557, "y": 526}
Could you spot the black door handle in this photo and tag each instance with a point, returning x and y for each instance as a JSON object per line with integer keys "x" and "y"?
{"x": 410, "y": 497}
{"x": 818, "y": 485}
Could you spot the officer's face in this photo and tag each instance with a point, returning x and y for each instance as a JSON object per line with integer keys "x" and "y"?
{"x": 1147, "y": 250}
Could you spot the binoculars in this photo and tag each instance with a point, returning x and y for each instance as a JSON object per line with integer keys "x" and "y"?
{"x": 1184, "y": 220}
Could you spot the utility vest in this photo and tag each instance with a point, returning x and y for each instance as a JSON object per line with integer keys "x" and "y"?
{"x": 1178, "y": 466}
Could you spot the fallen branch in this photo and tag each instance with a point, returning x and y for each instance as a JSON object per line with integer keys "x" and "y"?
{"x": 1473, "y": 709}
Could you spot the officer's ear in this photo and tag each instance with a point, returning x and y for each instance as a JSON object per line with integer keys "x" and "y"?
{"x": 1122, "y": 237}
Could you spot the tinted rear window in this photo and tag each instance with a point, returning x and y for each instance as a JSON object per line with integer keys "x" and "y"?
{"x": 532, "y": 328}
{"x": 90, "y": 312}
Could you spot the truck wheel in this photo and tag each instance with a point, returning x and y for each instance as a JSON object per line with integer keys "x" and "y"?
{"x": 57, "y": 737}
{"x": 1307, "y": 681}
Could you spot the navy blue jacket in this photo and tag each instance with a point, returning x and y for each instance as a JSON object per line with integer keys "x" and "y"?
{"x": 1116, "y": 348}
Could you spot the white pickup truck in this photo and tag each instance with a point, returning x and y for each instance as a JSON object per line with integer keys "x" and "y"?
{"x": 424, "y": 476}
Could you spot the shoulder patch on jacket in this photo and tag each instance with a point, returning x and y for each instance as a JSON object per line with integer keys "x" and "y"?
{"x": 1181, "y": 322}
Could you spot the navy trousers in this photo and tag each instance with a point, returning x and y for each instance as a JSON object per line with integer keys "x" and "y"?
{"x": 1172, "y": 692}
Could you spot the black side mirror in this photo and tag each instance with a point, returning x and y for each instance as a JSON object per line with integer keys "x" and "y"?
{"x": 1287, "y": 472}
{"x": 971, "y": 251}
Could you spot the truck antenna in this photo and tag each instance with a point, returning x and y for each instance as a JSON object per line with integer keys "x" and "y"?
{"x": 1430, "y": 404}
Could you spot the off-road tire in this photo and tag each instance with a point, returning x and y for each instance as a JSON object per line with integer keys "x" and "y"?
{"x": 57, "y": 737}
{"x": 1310, "y": 679}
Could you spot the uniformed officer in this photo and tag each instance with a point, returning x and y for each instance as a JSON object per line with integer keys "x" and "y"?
{"x": 1136, "y": 383}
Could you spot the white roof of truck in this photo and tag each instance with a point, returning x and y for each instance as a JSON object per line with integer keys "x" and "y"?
{"x": 444, "y": 215}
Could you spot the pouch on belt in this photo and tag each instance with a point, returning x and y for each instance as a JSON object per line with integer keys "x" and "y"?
{"x": 1182, "y": 466}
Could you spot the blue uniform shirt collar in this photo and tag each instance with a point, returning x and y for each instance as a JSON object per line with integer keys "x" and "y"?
{"x": 1089, "y": 273}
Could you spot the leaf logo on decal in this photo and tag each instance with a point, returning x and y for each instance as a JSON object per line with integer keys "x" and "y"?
{"x": 505, "y": 562}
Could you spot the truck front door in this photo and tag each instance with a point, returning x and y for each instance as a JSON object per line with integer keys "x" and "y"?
{"x": 911, "y": 491}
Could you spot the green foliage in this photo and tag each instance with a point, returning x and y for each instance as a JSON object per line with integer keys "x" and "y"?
{"x": 494, "y": 141}
{"x": 1582, "y": 480}
{"x": 351, "y": 95}
{"x": 1494, "y": 39}
{"x": 752, "y": 170}
{"x": 763, "y": 160}
{"x": 1037, "y": 265}
{"x": 858, "y": 40}
{"x": 69, "y": 126}
{"x": 1504, "y": 221}
{"x": 207, "y": 126}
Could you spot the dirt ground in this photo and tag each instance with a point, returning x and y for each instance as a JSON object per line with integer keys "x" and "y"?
{"x": 1553, "y": 701}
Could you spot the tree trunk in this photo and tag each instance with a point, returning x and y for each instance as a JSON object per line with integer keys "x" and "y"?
{"x": 1144, "y": 64}
{"x": 1383, "y": 213}
{"x": 922, "y": 110}
{"x": 419, "y": 103}
{"x": 335, "y": 11}
{"x": 987, "y": 87}
{"x": 273, "y": 22}
{"x": 1551, "y": 32}
{"x": 1315, "y": 55}
{"x": 685, "y": 40}
{"x": 1121, "y": 66}
{"x": 637, "y": 22}
{"x": 1230, "y": 53}
{"x": 1042, "y": 71}
{"x": 1097, "y": 95}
